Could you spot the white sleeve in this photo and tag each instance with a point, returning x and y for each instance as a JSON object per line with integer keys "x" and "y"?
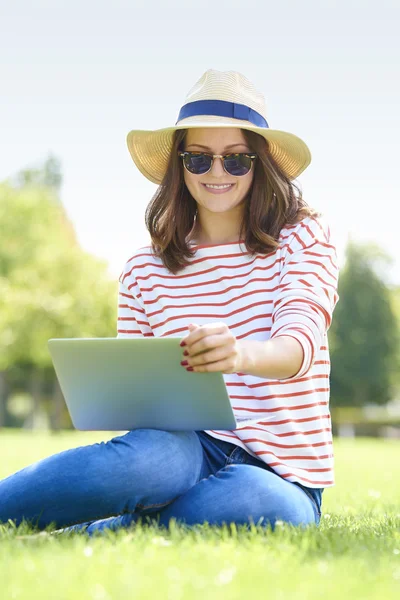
{"x": 132, "y": 321}
{"x": 308, "y": 290}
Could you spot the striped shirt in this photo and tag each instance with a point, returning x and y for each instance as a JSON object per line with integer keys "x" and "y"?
{"x": 291, "y": 291}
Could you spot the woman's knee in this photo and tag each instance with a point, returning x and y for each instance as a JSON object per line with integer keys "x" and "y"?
{"x": 148, "y": 451}
{"x": 266, "y": 498}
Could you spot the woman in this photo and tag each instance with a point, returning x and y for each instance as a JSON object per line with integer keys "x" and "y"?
{"x": 245, "y": 273}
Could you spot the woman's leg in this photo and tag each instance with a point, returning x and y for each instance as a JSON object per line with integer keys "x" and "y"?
{"x": 216, "y": 454}
{"x": 111, "y": 524}
{"x": 238, "y": 493}
{"x": 143, "y": 469}
{"x": 241, "y": 494}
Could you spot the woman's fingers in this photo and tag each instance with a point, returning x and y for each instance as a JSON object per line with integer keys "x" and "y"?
{"x": 222, "y": 366}
{"x": 210, "y": 347}
{"x": 209, "y": 342}
{"x": 198, "y": 334}
{"x": 211, "y": 356}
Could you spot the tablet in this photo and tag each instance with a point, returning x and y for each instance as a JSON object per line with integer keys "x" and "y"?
{"x": 119, "y": 384}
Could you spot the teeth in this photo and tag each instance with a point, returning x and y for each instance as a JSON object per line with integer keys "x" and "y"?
{"x": 218, "y": 187}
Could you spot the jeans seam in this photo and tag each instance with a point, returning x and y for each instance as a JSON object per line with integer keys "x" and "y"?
{"x": 230, "y": 460}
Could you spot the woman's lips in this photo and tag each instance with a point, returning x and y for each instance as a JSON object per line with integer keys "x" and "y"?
{"x": 218, "y": 189}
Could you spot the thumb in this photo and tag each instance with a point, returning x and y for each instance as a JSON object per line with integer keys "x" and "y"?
{"x": 193, "y": 326}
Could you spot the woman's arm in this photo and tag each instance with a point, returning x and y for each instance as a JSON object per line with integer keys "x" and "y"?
{"x": 301, "y": 316}
{"x": 278, "y": 358}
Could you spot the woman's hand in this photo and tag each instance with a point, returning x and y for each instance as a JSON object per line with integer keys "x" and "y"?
{"x": 211, "y": 347}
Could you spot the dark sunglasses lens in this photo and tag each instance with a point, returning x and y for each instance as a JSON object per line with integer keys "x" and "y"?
{"x": 237, "y": 164}
{"x": 197, "y": 163}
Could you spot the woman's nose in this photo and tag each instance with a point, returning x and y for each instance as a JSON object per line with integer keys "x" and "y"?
{"x": 217, "y": 168}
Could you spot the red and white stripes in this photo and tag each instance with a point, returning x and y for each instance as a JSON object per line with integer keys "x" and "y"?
{"x": 291, "y": 291}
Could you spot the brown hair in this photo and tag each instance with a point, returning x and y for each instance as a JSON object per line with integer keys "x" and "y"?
{"x": 273, "y": 201}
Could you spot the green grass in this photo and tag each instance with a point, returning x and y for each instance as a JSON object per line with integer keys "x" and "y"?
{"x": 354, "y": 554}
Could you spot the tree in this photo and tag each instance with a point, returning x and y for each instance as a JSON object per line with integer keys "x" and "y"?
{"x": 49, "y": 287}
{"x": 48, "y": 175}
{"x": 364, "y": 332}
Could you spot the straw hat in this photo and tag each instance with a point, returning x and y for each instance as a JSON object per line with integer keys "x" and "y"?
{"x": 218, "y": 99}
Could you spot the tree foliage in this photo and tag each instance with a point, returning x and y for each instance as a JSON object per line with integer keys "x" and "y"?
{"x": 47, "y": 175}
{"x": 49, "y": 287}
{"x": 364, "y": 333}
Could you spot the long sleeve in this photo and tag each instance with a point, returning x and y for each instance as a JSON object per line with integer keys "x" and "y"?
{"x": 308, "y": 289}
{"x": 132, "y": 321}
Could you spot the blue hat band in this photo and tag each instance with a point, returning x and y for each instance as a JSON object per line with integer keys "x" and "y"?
{"x": 221, "y": 108}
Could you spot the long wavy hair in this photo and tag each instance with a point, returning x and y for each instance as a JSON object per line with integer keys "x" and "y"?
{"x": 273, "y": 201}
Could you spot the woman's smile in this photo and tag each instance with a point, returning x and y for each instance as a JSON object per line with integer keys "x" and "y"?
{"x": 218, "y": 188}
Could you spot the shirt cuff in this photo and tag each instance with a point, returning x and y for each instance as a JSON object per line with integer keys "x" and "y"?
{"x": 298, "y": 332}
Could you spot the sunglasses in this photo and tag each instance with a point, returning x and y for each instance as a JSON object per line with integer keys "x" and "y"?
{"x": 200, "y": 163}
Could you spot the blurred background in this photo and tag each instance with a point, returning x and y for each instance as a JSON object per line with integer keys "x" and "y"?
{"x": 76, "y": 76}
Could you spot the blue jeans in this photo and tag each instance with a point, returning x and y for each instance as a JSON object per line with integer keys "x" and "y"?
{"x": 188, "y": 476}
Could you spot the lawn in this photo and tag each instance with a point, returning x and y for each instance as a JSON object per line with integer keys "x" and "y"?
{"x": 354, "y": 554}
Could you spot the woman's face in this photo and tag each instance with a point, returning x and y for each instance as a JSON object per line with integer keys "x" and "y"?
{"x": 217, "y": 199}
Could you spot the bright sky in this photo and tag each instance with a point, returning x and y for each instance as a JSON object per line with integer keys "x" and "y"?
{"x": 76, "y": 76}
